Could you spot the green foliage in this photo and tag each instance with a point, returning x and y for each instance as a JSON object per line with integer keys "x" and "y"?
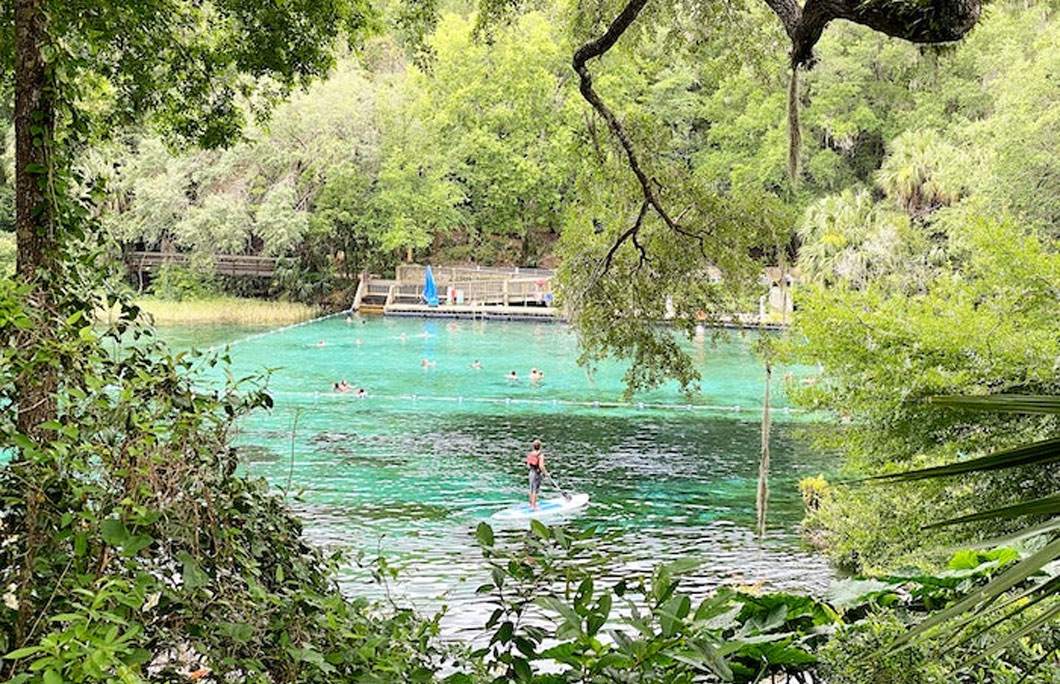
{"x": 192, "y": 69}
{"x": 554, "y": 620}
{"x": 857, "y": 655}
{"x": 979, "y": 322}
{"x": 980, "y": 604}
{"x": 7, "y": 207}
{"x": 640, "y": 629}
{"x": 139, "y": 554}
{"x": 7, "y": 254}
{"x": 180, "y": 283}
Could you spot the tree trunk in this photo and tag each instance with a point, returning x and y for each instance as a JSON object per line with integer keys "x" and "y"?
{"x": 34, "y": 229}
{"x": 762, "y": 499}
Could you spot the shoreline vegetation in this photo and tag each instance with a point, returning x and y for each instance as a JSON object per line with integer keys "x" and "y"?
{"x": 225, "y": 311}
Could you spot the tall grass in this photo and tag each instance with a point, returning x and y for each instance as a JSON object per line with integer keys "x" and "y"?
{"x": 226, "y": 310}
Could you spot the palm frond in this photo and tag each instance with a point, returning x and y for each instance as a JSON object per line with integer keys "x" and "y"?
{"x": 995, "y": 597}
{"x": 988, "y": 592}
{"x": 1015, "y": 537}
{"x": 1047, "y": 505}
{"x": 1037, "y": 453}
{"x": 1001, "y": 403}
{"x": 1003, "y": 643}
{"x": 1036, "y": 595}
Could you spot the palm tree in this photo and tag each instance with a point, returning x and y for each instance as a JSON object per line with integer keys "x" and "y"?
{"x": 921, "y": 173}
{"x": 851, "y": 240}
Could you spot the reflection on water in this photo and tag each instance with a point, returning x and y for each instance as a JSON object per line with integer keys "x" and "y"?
{"x": 411, "y": 477}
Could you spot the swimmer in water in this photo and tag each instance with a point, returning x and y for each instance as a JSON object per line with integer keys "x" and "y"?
{"x": 342, "y": 387}
{"x": 361, "y": 394}
{"x": 476, "y": 365}
{"x": 536, "y": 375}
{"x": 428, "y": 364}
{"x": 321, "y": 344}
{"x": 513, "y": 377}
{"x": 349, "y": 319}
{"x": 357, "y": 341}
{"x": 402, "y": 337}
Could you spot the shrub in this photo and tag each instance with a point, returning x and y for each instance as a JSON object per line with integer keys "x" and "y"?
{"x": 857, "y": 654}
{"x": 132, "y": 551}
{"x": 180, "y": 283}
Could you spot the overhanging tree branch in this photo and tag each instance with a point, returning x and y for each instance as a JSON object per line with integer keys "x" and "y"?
{"x": 930, "y": 21}
{"x": 934, "y": 21}
{"x": 596, "y": 48}
{"x": 631, "y": 233}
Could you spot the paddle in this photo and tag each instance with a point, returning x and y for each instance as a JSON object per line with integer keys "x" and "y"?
{"x": 565, "y": 494}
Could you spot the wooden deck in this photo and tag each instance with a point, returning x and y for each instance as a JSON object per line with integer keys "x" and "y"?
{"x": 463, "y": 292}
{"x": 516, "y": 294}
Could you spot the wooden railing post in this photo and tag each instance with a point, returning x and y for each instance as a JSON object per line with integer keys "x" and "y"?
{"x": 361, "y": 287}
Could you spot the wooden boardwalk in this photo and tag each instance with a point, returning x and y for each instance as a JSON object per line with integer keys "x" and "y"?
{"x": 223, "y": 264}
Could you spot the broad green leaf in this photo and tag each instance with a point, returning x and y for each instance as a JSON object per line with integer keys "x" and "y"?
{"x": 484, "y": 534}
{"x": 193, "y": 575}
{"x": 997, "y": 586}
{"x": 135, "y": 543}
{"x": 23, "y": 652}
{"x": 114, "y": 531}
{"x": 849, "y": 592}
{"x": 539, "y": 528}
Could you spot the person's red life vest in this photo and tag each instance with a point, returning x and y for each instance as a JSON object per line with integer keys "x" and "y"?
{"x": 533, "y": 459}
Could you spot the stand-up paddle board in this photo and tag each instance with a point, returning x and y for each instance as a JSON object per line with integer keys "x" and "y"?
{"x": 544, "y": 508}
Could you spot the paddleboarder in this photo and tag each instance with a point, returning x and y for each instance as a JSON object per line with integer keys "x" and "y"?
{"x": 535, "y": 461}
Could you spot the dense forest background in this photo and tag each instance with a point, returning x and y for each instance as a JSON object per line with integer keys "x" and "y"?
{"x": 435, "y": 141}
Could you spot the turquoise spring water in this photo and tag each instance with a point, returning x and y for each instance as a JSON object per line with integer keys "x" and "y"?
{"x": 412, "y": 469}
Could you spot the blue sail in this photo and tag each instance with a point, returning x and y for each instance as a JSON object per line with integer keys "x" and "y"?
{"x": 430, "y": 292}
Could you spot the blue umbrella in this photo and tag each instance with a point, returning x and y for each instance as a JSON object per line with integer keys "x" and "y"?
{"x": 430, "y": 292}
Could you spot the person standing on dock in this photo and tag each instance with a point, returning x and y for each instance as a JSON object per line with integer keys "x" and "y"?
{"x": 535, "y": 461}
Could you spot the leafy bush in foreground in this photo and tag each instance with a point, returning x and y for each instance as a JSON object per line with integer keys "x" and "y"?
{"x": 130, "y": 550}
{"x": 555, "y": 620}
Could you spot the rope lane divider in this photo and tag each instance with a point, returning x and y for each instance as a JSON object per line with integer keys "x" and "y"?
{"x": 273, "y": 331}
{"x": 332, "y": 396}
